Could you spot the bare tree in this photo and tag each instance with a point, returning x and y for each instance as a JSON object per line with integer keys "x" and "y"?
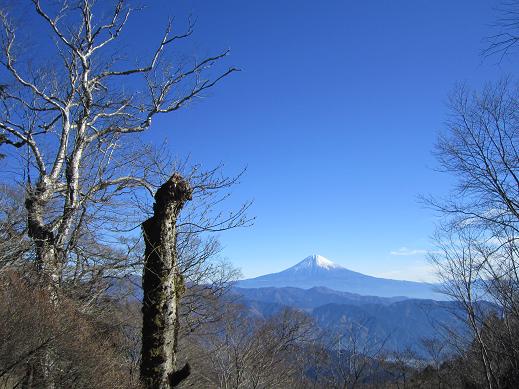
{"x": 352, "y": 355}
{"x": 72, "y": 118}
{"x": 506, "y": 30}
{"x": 88, "y": 351}
{"x": 14, "y": 245}
{"x": 461, "y": 271}
{"x": 243, "y": 352}
{"x": 75, "y": 115}
{"x": 437, "y": 354}
{"x": 477, "y": 241}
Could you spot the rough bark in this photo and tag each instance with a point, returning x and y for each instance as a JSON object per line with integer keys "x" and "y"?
{"x": 161, "y": 285}
{"x": 47, "y": 260}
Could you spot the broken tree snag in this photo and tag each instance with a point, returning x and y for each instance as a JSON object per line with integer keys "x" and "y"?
{"x": 159, "y": 283}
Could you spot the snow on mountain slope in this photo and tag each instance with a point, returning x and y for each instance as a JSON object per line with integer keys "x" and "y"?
{"x": 315, "y": 261}
{"x": 316, "y": 270}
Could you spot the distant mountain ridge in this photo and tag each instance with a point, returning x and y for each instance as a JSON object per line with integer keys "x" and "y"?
{"x": 308, "y": 299}
{"x": 318, "y": 271}
{"x": 399, "y": 322}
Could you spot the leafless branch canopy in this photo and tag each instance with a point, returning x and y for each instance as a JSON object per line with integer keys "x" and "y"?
{"x": 478, "y": 252}
{"x": 73, "y": 116}
{"x": 506, "y": 27}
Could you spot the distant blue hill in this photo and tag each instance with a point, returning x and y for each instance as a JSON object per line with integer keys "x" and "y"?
{"x": 402, "y": 325}
{"x": 399, "y": 323}
{"x": 307, "y": 299}
{"x": 317, "y": 271}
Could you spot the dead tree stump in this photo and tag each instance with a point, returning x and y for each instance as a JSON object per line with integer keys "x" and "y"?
{"x": 160, "y": 282}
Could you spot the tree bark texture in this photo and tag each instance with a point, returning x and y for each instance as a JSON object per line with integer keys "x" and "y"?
{"x": 160, "y": 283}
{"x": 47, "y": 256}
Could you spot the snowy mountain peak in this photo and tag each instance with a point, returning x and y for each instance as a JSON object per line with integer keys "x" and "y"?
{"x": 318, "y": 271}
{"x": 316, "y": 261}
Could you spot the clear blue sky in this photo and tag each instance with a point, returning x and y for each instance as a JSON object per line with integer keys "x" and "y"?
{"x": 335, "y": 115}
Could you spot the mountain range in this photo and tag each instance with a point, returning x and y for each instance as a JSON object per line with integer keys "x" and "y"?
{"x": 399, "y": 314}
{"x": 307, "y": 299}
{"x": 395, "y": 324}
{"x": 317, "y": 271}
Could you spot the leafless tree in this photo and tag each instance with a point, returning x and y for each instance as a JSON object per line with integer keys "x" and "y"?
{"x": 352, "y": 356}
{"x": 207, "y": 276}
{"x": 241, "y": 352}
{"x": 437, "y": 354}
{"x": 461, "y": 269}
{"x": 14, "y": 245}
{"x": 73, "y": 120}
{"x": 88, "y": 351}
{"x": 477, "y": 241}
{"x": 506, "y": 30}
{"x": 75, "y": 117}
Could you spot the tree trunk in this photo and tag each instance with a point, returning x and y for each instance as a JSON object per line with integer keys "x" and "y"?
{"x": 48, "y": 264}
{"x": 160, "y": 282}
{"x": 47, "y": 256}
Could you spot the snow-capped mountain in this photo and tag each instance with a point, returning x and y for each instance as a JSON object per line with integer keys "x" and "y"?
{"x": 316, "y": 270}
{"x": 315, "y": 262}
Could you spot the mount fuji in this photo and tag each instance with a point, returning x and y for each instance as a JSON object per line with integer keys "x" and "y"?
{"x": 318, "y": 271}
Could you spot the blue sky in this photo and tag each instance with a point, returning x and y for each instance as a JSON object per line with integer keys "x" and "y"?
{"x": 334, "y": 114}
